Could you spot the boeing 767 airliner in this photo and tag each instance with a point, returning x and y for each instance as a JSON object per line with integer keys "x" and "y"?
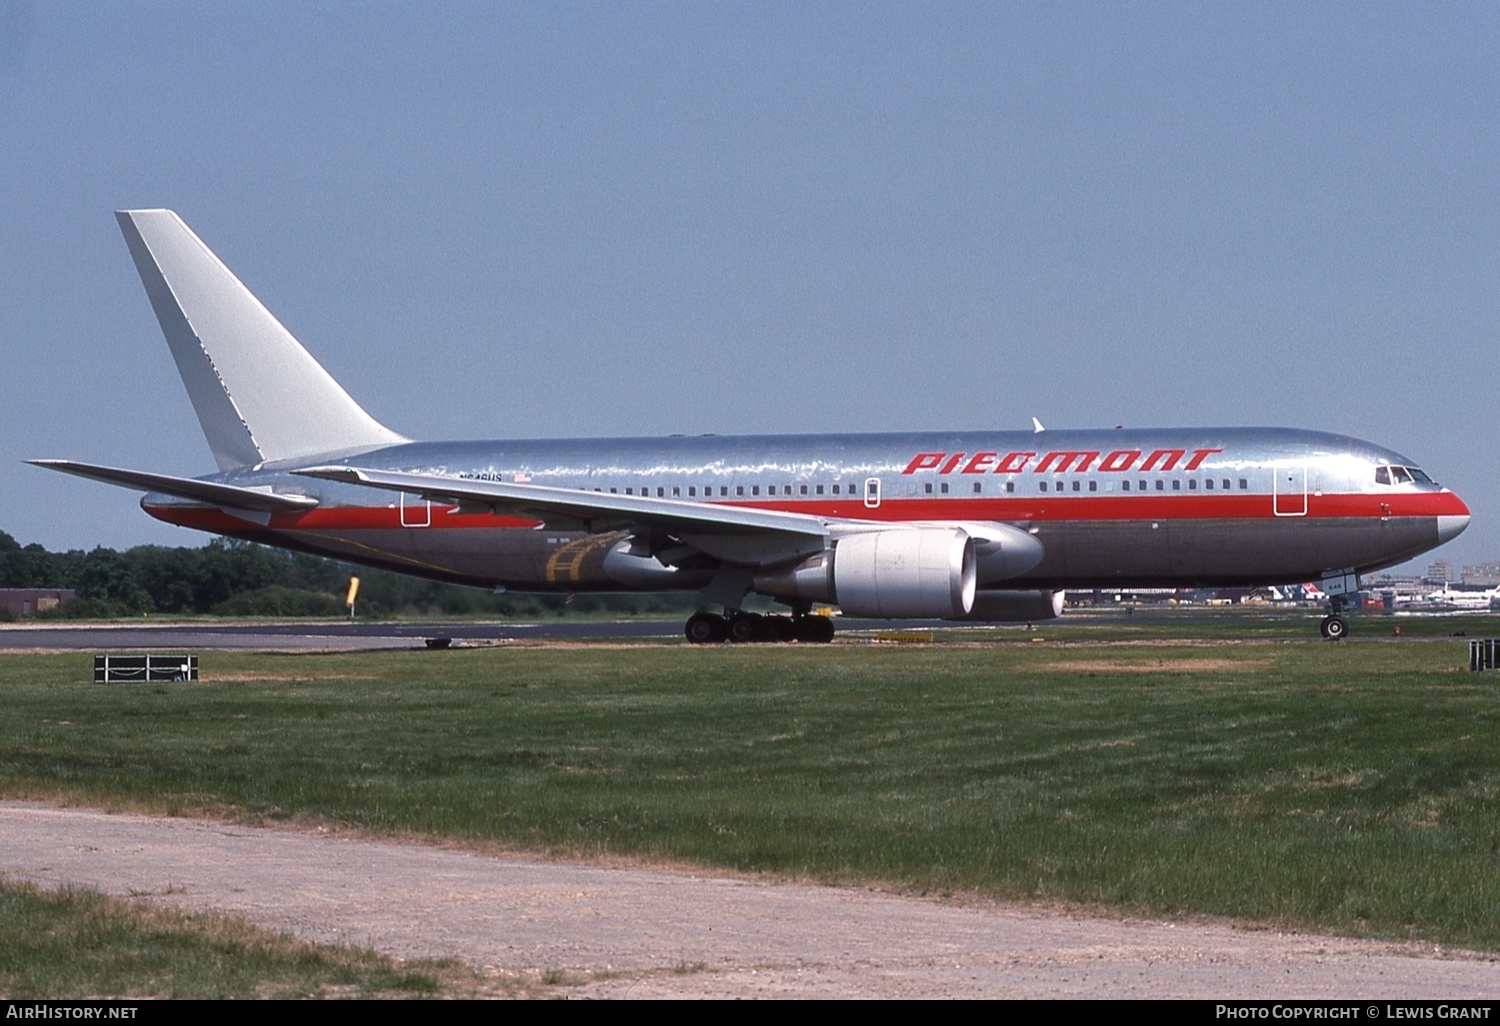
{"x": 978, "y": 525}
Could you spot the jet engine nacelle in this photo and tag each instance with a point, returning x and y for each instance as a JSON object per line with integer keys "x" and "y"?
{"x": 1015, "y": 606}
{"x": 902, "y": 572}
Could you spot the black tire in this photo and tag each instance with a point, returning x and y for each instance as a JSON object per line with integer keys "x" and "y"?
{"x": 746, "y": 627}
{"x": 1334, "y": 628}
{"x": 813, "y": 630}
{"x": 779, "y": 628}
{"x": 705, "y": 629}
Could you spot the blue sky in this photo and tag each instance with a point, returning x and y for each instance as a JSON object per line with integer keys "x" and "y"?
{"x": 522, "y": 220}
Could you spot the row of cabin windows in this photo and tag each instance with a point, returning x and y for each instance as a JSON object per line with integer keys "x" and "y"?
{"x": 1010, "y": 486}
{"x": 1161, "y": 485}
{"x": 708, "y": 490}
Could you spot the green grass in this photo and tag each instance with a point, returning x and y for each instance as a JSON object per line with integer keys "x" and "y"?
{"x": 67, "y": 943}
{"x": 1350, "y": 788}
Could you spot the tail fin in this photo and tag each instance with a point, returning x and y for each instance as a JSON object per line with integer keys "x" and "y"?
{"x": 257, "y": 392}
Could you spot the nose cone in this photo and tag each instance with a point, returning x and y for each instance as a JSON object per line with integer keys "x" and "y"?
{"x": 1452, "y": 521}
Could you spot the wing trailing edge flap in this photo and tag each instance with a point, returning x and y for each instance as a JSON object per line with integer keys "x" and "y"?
{"x": 252, "y": 504}
{"x": 731, "y": 533}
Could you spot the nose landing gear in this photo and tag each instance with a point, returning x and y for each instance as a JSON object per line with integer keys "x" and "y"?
{"x": 1334, "y": 627}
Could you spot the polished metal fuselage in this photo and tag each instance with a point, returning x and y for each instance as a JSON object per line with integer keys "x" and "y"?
{"x": 1142, "y": 508}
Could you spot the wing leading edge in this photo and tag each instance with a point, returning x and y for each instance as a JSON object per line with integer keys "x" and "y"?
{"x": 732, "y": 533}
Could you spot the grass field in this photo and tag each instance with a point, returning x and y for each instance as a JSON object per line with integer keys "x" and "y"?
{"x": 1343, "y": 787}
{"x": 74, "y": 942}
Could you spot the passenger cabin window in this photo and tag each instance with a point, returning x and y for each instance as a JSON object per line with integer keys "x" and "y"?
{"x": 944, "y": 488}
{"x": 978, "y": 487}
{"x": 1043, "y": 486}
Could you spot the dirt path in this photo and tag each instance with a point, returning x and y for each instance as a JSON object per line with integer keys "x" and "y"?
{"x": 646, "y": 933}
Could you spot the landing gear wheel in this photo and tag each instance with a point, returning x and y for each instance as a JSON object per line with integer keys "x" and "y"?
{"x": 706, "y": 629}
{"x": 746, "y": 627}
{"x": 817, "y": 630}
{"x": 1334, "y": 628}
{"x": 778, "y": 628}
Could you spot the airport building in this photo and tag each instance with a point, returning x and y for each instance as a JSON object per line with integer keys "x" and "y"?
{"x": 25, "y": 601}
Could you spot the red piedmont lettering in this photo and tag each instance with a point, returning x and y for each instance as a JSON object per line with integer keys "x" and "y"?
{"x": 1199, "y": 455}
{"x": 952, "y": 462}
{"x": 980, "y": 461}
{"x": 1014, "y": 462}
{"x": 1170, "y": 456}
{"x": 923, "y": 461}
{"x": 1064, "y": 459}
{"x": 1120, "y": 459}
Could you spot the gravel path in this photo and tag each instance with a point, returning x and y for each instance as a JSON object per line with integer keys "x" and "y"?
{"x": 648, "y": 933}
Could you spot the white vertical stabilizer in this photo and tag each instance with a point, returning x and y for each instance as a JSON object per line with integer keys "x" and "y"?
{"x": 257, "y": 392}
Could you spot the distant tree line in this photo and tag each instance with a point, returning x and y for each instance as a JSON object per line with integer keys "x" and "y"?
{"x": 237, "y": 578}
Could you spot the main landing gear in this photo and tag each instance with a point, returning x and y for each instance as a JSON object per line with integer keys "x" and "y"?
{"x": 740, "y": 627}
{"x": 1334, "y": 627}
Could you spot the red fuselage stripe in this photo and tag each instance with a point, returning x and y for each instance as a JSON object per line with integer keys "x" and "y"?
{"x": 1063, "y": 506}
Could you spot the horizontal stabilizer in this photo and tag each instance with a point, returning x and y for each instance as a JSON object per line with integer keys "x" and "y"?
{"x": 228, "y": 496}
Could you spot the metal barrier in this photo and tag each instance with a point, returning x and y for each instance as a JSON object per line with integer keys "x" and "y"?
{"x": 140, "y": 668}
{"x": 1484, "y": 654}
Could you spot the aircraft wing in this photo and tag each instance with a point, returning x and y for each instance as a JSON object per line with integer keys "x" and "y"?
{"x": 728, "y": 532}
{"x": 230, "y": 497}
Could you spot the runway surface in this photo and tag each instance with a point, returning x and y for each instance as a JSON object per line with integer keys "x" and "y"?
{"x": 316, "y": 636}
{"x": 645, "y": 932}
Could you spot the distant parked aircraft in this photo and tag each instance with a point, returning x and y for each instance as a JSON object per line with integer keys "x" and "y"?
{"x": 1452, "y": 597}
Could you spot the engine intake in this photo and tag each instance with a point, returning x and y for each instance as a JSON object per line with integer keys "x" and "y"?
{"x": 926, "y": 573}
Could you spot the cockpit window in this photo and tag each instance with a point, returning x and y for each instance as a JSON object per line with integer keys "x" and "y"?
{"x": 1394, "y": 475}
